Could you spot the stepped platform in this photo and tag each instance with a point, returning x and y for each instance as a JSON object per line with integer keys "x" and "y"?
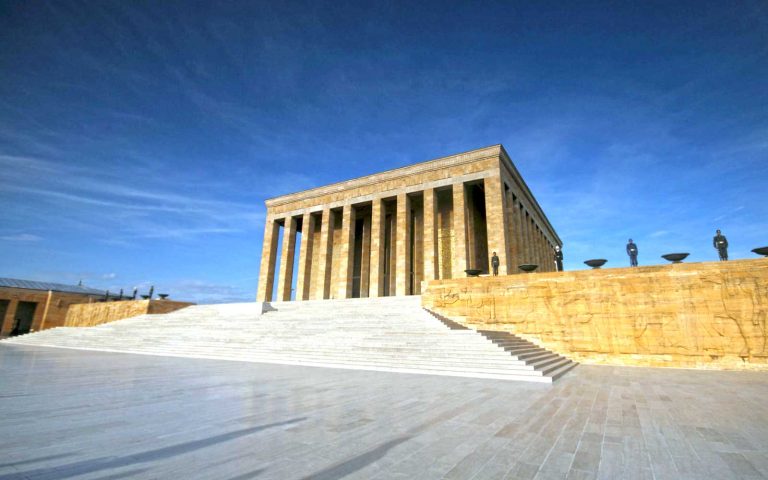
{"x": 391, "y": 334}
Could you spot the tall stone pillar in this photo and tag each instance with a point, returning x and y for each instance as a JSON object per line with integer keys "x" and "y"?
{"x": 535, "y": 245}
{"x": 430, "y": 235}
{"x": 521, "y": 233}
{"x": 286, "y": 260}
{"x": 376, "y": 288}
{"x": 550, "y": 255}
{"x": 268, "y": 259}
{"x": 325, "y": 256}
{"x": 402, "y": 247}
{"x": 528, "y": 238}
{"x": 514, "y": 215}
{"x": 496, "y": 222}
{"x": 510, "y": 233}
{"x": 540, "y": 250}
{"x": 305, "y": 257}
{"x": 347, "y": 251}
{"x": 459, "y": 232}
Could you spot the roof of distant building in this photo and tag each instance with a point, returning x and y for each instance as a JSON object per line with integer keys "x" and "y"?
{"x": 45, "y": 286}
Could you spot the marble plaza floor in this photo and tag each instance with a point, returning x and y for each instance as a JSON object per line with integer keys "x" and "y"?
{"x": 80, "y": 414}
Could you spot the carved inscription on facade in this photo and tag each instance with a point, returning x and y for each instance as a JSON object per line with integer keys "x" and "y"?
{"x": 707, "y": 315}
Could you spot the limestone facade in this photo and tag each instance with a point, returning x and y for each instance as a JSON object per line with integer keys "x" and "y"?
{"x": 694, "y": 315}
{"x": 43, "y": 309}
{"x": 91, "y": 314}
{"x": 383, "y": 234}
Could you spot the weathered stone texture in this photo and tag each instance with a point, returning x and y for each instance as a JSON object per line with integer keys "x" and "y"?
{"x": 90, "y": 314}
{"x": 382, "y": 234}
{"x": 50, "y": 309}
{"x": 703, "y": 315}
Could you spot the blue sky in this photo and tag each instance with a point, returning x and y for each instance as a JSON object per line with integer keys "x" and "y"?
{"x": 138, "y": 140}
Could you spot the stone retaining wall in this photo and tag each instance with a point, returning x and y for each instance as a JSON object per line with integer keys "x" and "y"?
{"x": 90, "y": 314}
{"x": 697, "y": 315}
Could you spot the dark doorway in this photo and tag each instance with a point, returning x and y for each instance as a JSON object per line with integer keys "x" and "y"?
{"x": 388, "y": 221}
{"x": 25, "y": 313}
{"x": 357, "y": 258}
{"x": 3, "y": 310}
{"x": 478, "y": 228}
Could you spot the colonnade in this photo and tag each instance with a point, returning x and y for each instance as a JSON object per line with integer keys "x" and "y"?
{"x": 388, "y": 244}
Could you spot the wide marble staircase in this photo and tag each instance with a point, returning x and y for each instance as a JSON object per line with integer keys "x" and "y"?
{"x": 389, "y": 334}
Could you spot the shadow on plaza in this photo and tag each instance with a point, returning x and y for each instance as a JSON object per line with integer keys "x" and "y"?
{"x": 107, "y": 463}
{"x": 35, "y": 460}
{"x": 356, "y": 463}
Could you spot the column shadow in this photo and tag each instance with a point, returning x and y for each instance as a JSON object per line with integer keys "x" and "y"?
{"x": 107, "y": 463}
{"x": 356, "y": 463}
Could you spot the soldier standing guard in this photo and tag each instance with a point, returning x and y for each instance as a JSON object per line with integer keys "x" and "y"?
{"x": 559, "y": 258}
{"x": 632, "y": 252}
{"x": 721, "y": 244}
{"x": 495, "y": 264}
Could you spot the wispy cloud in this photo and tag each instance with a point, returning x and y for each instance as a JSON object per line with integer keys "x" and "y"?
{"x": 21, "y": 237}
{"x": 201, "y": 291}
{"x": 153, "y": 209}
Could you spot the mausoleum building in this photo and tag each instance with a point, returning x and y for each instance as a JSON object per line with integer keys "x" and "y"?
{"x": 383, "y": 234}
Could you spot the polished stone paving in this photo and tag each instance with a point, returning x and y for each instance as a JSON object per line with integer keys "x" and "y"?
{"x": 81, "y": 414}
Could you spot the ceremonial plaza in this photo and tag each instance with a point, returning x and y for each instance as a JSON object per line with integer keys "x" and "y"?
{"x": 391, "y": 350}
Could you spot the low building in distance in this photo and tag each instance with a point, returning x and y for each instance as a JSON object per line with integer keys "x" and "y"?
{"x": 28, "y": 305}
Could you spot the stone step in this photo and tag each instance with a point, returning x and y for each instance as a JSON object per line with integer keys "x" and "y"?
{"x": 339, "y": 362}
{"x": 389, "y": 334}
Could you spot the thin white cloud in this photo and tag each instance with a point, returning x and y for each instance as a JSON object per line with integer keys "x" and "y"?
{"x": 117, "y": 208}
{"x": 21, "y": 237}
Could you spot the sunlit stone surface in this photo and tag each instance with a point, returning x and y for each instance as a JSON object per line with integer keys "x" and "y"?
{"x": 383, "y": 234}
{"x": 88, "y": 415}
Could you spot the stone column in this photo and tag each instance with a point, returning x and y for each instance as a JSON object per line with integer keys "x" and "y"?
{"x": 268, "y": 259}
{"x": 521, "y": 233}
{"x": 459, "y": 232}
{"x": 325, "y": 256}
{"x": 402, "y": 249}
{"x": 286, "y": 260}
{"x": 535, "y": 245}
{"x": 550, "y": 255}
{"x": 496, "y": 222}
{"x": 430, "y": 235}
{"x": 347, "y": 251}
{"x": 514, "y": 210}
{"x": 529, "y": 256}
{"x": 305, "y": 257}
{"x": 509, "y": 232}
{"x": 376, "y": 288}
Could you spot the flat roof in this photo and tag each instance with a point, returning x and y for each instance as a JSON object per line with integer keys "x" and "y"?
{"x": 390, "y": 173}
{"x": 45, "y": 286}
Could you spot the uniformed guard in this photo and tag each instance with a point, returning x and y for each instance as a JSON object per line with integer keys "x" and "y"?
{"x": 632, "y": 252}
{"x": 559, "y": 258}
{"x": 495, "y": 264}
{"x": 721, "y": 244}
